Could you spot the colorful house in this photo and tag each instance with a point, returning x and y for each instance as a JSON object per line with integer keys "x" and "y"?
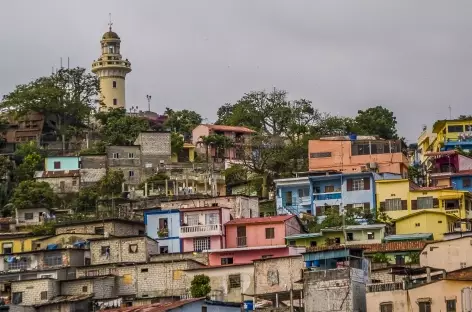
{"x": 452, "y": 134}
{"x": 293, "y": 196}
{"x": 449, "y": 168}
{"x": 187, "y": 154}
{"x": 355, "y": 235}
{"x": 17, "y": 242}
{"x": 436, "y": 223}
{"x": 357, "y": 154}
{"x": 203, "y": 228}
{"x": 164, "y": 227}
{"x": 61, "y": 163}
{"x": 348, "y": 191}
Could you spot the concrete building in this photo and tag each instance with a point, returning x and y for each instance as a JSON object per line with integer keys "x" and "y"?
{"x": 61, "y": 181}
{"x": 111, "y": 70}
{"x": 109, "y": 226}
{"x": 92, "y": 169}
{"x": 128, "y": 160}
{"x": 449, "y": 255}
{"x": 293, "y": 196}
{"x": 227, "y": 282}
{"x": 203, "y": 228}
{"x": 155, "y": 151}
{"x": 186, "y": 305}
{"x": 240, "y": 206}
{"x": 61, "y": 163}
{"x": 354, "y": 154}
{"x": 452, "y": 134}
{"x": 32, "y": 216}
{"x": 164, "y": 227}
{"x": 238, "y": 135}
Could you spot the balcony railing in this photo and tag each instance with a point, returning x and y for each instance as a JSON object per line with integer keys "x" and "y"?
{"x": 241, "y": 241}
{"x": 200, "y": 230}
{"x": 386, "y": 287}
{"x": 327, "y": 196}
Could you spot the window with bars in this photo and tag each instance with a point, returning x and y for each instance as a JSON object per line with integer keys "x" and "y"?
{"x": 424, "y": 202}
{"x": 386, "y": 307}
{"x": 270, "y": 233}
{"x": 424, "y": 306}
{"x": 211, "y": 218}
{"x": 393, "y": 204}
{"x": 53, "y": 259}
{"x": 201, "y": 243}
{"x": 451, "y": 305}
{"x": 234, "y": 281}
{"x": 44, "y": 295}
{"x": 18, "y": 265}
{"x": 357, "y": 184}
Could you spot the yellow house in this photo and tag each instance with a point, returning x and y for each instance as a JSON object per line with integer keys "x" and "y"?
{"x": 399, "y": 198}
{"x": 426, "y": 221}
{"x": 452, "y": 133}
{"x": 425, "y": 144}
{"x": 17, "y": 242}
{"x": 186, "y": 155}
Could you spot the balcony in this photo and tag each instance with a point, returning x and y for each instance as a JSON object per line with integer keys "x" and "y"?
{"x": 385, "y": 287}
{"x": 327, "y": 196}
{"x": 200, "y": 230}
{"x": 241, "y": 241}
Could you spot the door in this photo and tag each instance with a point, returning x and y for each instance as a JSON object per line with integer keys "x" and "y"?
{"x": 241, "y": 236}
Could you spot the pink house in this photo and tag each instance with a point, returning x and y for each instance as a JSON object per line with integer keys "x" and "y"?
{"x": 202, "y": 228}
{"x": 238, "y": 136}
{"x": 248, "y": 239}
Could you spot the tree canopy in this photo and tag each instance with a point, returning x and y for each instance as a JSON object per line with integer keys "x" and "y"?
{"x": 119, "y": 128}
{"x": 33, "y": 194}
{"x": 183, "y": 121}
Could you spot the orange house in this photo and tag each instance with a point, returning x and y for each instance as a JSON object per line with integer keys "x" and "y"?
{"x": 357, "y": 154}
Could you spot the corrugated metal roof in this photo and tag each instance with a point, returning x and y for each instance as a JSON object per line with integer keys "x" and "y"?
{"x": 307, "y": 235}
{"x": 404, "y": 237}
{"x": 373, "y": 248}
{"x": 57, "y": 174}
{"x": 230, "y": 128}
{"x": 260, "y": 220}
{"x": 157, "y": 307}
{"x": 355, "y": 227}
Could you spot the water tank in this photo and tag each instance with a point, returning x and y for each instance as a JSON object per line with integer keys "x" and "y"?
{"x": 248, "y": 305}
{"x": 352, "y": 136}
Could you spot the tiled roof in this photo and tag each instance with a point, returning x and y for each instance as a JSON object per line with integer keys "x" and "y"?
{"x": 230, "y": 128}
{"x": 7, "y": 220}
{"x": 157, "y": 307}
{"x": 201, "y": 208}
{"x": 374, "y": 248}
{"x": 461, "y": 274}
{"x": 443, "y": 153}
{"x": 57, "y": 174}
{"x": 415, "y": 187}
{"x": 260, "y": 220}
{"x": 92, "y": 175}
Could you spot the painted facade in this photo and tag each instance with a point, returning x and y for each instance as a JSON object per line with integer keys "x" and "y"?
{"x": 357, "y": 154}
{"x": 452, "y": 134}
{"x": 293, "y": 196}
{"x": 61, "y": 163}
{"x": 164, "y": 227}
{"x": 426, "y": 221}
{"x": 256, "y": 232}
{"x": 449, "y": 255}
{"x": 203, "y": 228}
{"x": 187, "y": 154}
{"x": 399, "y": 198}
{"x": 244, "y": 255}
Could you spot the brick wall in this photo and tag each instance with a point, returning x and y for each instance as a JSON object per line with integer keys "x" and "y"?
{"x": 277, "y": 274}
{"x": 31, "y": 290}
{"x": 77, "y": 287}
{"x": 112, "y": 227}
{"x": 120, "y": 250}
{"x": 199, "y": 256}
{"x": 93, "y": 161}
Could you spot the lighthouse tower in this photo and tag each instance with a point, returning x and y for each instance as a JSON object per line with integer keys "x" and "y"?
{"x": 111, "y": 70}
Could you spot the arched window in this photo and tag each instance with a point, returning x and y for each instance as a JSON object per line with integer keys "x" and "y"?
{"x": 114, "y": 84}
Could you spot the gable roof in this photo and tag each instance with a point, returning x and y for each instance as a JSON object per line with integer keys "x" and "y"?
{"x": 426, "y": 211}
{"x": 260, "y": 220}
{"x": 158, "y": 307}
{"x": 230, "y": 128}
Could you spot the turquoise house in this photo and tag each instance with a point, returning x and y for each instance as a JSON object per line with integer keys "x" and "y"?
{"x": 61, "y": 163}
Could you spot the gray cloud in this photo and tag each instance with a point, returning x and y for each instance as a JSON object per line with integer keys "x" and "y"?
{"x": 412, "y": 56}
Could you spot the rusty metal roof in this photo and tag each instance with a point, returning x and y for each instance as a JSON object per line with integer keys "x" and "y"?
{"x": 57, "y": 174}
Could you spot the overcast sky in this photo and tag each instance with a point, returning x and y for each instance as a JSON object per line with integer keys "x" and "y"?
{"x": 414, "y": 57}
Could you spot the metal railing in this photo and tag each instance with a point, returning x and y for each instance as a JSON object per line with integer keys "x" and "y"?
{"x": 386, "y": 287}
{"x": 241, "y": 241}
{"x": 200, "y": 228}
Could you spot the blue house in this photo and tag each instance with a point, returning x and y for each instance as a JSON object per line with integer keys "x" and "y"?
{"x": 61, "y": 163}
{"x": 356, "y": 190}
{"x": 164, "y": 227}
{"x": 462, "y": 181}
{"x": 293, "y": 196}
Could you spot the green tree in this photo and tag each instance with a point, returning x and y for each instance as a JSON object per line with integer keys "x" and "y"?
{"x": 31, "y": 163}
{"x": 25, "y": 149}
{"x": 200, "y": 286}
{"x": 176, "y": 143}
{"x": 235, "y": 174}
{"x": 87, "y": 199}
{"x": 377, "y": 121}
{"x": 119, "y": 128}
{"x": 67, "y": 96}
{"x": 220, "y": 142}
{"x": 33, "y": 194}
{"x": 183, "y": 121}
{"x": 110, "y": 185}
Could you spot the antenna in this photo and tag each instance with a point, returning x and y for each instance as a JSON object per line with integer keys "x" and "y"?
{"x": 110, "y": 24}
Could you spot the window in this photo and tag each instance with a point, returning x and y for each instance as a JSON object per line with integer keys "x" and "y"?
{"x": 466, "y": 182}
{"x": 350, "y": 237}
{"x": 100, "y": 230}
{"x": 424, "y": 306}
{"x": 292, "y": 243}
{"x": 459, "y": 128}
{"x": 329, "y": 188}
{"x": 211, "y": 218}
{"x": 131, "y": 173}
{"x": 7, "y": 248}
{"x": 164, "y": 249}
{"x": 424, "y": 202}
{"x": 399, "y": 260}
{"x": 130, "y": 155}
{"x": 29, "y": 216}
{"x": 201, "y": 243}
{"x": 417, "y": 224}
{"x": 62, "y": 186}
{"x": 115, "y": 102}
{"x": 204, "y": 309}
{"x": 451, "y": 305}
{"x": 320, "y": 155}
{"x": 105, "y": 251}
{"x": 360, "y": 149}
{"x": 370, "y": 235}
{"x": 116, "y": 155}
{"x": 386, "y": 307}
{"x": 303, "y": 192}
{"x": 393, "y": 204}
{"x": 226, "y": 261}
{"x": 144, "y": 270}
{"x": 17, "y": 297}
{"x": 44, "y": 295}
{"x": 53, "y": 259}
{"x": 133, "y": 248}
{"x": 18, "y": 265}
{"x": 84, "y": 288}
{"x": 111, "y": 49}
{"x": 114, "y": 84}
{"x": 192, "y": 220}
{"x": 313, "y": 244}
{"x": 74, "y": 182}
{"x": 337, "y": 240}
{"x": 288, "y": 198}
{"x": 234, "y": 281}
{"x": 357, "y": 184}
{"x": 269, "y": 233}
{"x": 57, "y": 165}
